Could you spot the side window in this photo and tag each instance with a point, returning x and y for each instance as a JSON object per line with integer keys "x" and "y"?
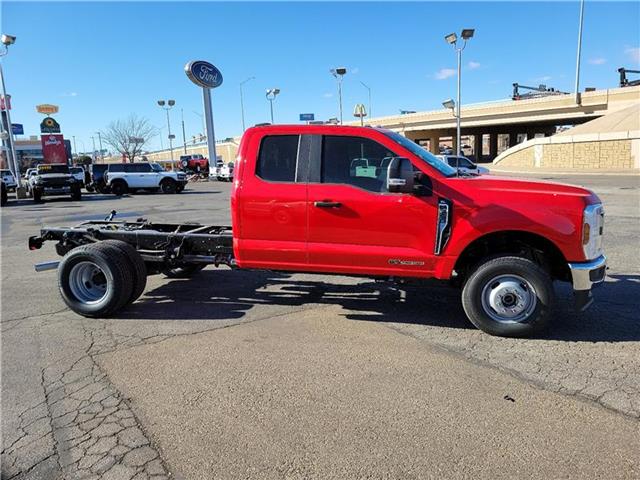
{"x": 144, "y": 168}
{"x": 355, "y": 161}
{"x": 116, "y": 168}
{"x": 277, "y": 158}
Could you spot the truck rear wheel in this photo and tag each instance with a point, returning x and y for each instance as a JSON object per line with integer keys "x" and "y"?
{"x": 509, "y": 297}
{"x": 119, "y": 188}
{"x": 95, "y": 280}
{"x": 139, "y": 268}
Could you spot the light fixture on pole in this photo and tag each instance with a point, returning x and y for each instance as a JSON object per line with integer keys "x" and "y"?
{"x": 242, "y": 100}
{"x": 369, "y": 93}
{"x": 271, "y": 95}
{"x": 339, "y": 73}
{"x": 166, "y": 106}
{"x": 450, "y": 104}
{"x": 452, "y": 39}
{"x": 12, "y": 158}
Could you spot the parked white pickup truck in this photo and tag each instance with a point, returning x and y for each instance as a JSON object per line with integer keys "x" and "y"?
{"x": 128, "y": 177}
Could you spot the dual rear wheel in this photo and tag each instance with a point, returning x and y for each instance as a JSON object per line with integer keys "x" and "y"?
{"x": 99, "y": 279}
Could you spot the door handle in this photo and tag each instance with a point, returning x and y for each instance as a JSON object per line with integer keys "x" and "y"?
{"x": 327, "y": 204}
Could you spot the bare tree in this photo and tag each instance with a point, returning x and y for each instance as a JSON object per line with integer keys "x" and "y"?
{"x": 128, "y": 136}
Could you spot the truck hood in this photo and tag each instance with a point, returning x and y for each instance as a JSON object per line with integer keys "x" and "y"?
{"x": 503, "y": 187}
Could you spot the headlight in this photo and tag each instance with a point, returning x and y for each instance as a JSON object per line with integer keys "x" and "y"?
{"x": 592, "y": 230}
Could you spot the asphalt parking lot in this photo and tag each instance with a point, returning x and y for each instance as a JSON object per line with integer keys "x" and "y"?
{"x": 263, "y": 375}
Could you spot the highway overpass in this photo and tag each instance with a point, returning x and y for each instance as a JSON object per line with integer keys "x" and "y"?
{"x": 510, "y": 121}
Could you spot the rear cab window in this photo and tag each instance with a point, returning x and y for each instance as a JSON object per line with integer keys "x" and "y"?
{"x": 277, "y": 159}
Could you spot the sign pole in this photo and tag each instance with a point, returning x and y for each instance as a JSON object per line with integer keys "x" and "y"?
{"x": 211, "y": 137}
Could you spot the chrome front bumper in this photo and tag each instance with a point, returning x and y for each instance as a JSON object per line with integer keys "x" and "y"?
{"x": 585, "y": 275}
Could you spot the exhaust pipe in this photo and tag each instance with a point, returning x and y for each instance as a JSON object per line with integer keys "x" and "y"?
{"x": 44, "y": 266}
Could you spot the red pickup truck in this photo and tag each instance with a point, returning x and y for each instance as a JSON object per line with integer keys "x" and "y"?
{"x": 196, "y": 163}
{"x": 365, "y": 202}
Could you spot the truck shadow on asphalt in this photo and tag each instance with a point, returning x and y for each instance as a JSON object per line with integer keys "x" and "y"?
{"x": 228, "y": 295}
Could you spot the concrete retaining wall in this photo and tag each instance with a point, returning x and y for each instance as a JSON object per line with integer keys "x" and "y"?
{"x": 606, "y": 151}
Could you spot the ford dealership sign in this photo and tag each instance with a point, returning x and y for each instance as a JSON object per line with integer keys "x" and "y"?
{"x": 203, "y": 74}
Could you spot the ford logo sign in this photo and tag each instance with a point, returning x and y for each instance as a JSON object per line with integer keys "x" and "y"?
{"x": 203, "y": 74}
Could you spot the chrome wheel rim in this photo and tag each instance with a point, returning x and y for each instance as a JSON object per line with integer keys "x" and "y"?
{"x": 509, "y": 299}
{"x": 88, "y": 283}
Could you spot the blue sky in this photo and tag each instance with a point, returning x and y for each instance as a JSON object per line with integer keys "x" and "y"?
{"x": 103, "y": 61}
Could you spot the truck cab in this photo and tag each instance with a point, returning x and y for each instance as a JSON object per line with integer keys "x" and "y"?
{"x": 367, "y": 201}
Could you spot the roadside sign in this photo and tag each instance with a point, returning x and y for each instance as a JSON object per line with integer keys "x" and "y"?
{"x": 307, "y": 117}
{"x": 203, "y": 74}
{"x": 359, "y": 110}
{"x": 17, "y": 129}
{"x": 2, "y": 103}
{"x": 49, "y": 125}
{"x": 47, "y": 108}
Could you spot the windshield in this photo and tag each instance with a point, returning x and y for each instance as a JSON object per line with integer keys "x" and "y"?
{"x": 75, "y": 170}
{"x": 421, "y": 153}
{"x": 156, "y": 168}
{"x": 7, "y": 173}
{"x": 53, "y": 168}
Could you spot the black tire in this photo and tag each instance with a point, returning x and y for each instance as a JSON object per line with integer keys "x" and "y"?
{"x": 5, "y": 195}
{"x": 89, "y": 188}
{"x": 185, "y": 271}
{"x": 76, "y": 194}
{"x": 114, "y": 271}
{"x": 37, "y": 195}
{"x": 139, "y": 268}
{"x": 119, "y": 188}
{"x": 168, "y": 186}
{"x": 179, "y": 188}
{"x": 521, "y": 292}
{"x": 219, "y": 179}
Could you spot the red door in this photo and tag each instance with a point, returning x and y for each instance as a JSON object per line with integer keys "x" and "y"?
{"x": 273, "y": 207}
{"x": 356, "y": 226}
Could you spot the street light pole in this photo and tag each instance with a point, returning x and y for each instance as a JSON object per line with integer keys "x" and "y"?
{"x": 11, "y": 151}
{"x": 369, "y": 93}
{"x": 452, "y": 39}
{"x": 184, "y": 137}
{"x": 75, "y": 149}
{"x": 93, "y": 139}
{"x": 242, "y": 101}
{"x": 100, "y": 143}
{"x": 339, "y": 73}
{"x": 169, "y": 105}
{"x": 577, "y": 87}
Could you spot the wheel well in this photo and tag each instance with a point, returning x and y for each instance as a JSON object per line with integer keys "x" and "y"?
{"x": 523, "y": 244}
{"x": 120, "y": 180}
{"x": 167, "y": 180}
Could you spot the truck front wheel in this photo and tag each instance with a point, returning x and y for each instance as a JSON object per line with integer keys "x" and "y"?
{"x": 509, "y": 297}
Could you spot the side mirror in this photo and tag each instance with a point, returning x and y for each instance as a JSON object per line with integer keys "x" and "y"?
{"x": 400, "y": 177}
